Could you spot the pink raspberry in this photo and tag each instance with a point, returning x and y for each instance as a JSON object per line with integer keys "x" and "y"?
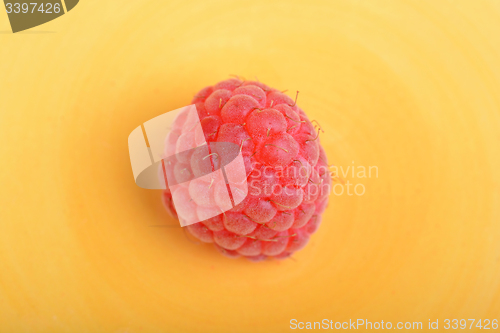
{"x": 287, "y": 171}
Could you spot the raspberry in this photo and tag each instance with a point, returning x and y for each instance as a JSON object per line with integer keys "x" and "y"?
{"x": 286, "y": 168}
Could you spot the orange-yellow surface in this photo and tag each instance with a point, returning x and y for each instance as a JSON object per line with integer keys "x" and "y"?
{"x": 412, "y": 87}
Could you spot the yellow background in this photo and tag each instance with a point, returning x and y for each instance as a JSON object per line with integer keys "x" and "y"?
{"x": 412, "y": 87}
